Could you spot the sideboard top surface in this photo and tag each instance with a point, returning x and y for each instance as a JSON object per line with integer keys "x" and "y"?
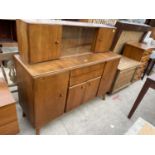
{"x": 66, "y": 63}
{"x": 66, "y": 23}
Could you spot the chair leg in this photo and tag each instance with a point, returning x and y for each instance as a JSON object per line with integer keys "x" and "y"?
{"x": 151, "y": 67}
{"x": 139, "y": 98}
{"x": 145, "y": 71}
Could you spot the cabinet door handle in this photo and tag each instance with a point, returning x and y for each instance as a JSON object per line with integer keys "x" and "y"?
{"x": 81, "y": 87}
{"x": 60, "y": 95}
{"x": 57, "y": 42}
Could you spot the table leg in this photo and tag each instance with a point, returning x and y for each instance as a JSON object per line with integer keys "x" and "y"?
{"x": 139, "y": 98}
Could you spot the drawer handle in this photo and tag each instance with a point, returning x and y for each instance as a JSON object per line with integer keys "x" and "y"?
{"x": 81, "y": 87}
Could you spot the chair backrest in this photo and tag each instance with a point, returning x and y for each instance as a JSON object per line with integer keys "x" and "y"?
{"x": 127, "y": 32}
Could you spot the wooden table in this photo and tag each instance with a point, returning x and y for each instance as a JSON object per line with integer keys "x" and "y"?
{"x": 150, "y": 83}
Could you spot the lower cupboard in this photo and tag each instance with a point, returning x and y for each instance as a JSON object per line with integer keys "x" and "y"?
{"x": 82, "y": 93}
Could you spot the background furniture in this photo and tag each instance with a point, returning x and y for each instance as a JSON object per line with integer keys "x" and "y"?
{"x": 150, "y": 65}
{"x": 8, "y": 115}
{"x": 139, "y": 52}
{"x": 125, "y": 73}
{"x": 64, "y": 65}
{"x": 8, "y": 33}
{"x": 150, "y": 83}
{"x": 126, "y": 32}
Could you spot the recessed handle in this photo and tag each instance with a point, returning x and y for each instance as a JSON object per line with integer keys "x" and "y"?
{"x": 60, "y": 95}
{"x": 57, "y": 42}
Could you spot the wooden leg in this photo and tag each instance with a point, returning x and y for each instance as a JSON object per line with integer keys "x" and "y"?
{"x": 103, "y": 97}
{"x": 37, "y": 131}
{"x": 24, "y": 115}
{"x": 139, "y": 98}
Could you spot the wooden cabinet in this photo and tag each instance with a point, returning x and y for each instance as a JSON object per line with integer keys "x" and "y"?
{"x": 61, "y": 66}
{"x": 45, "y": 40}
{"x": 46, "y": 90}
{"x": 139, "y": 52}
{"x": 8, "y": 114}
{"x": 125, "y": 73}
{"x": 38, "y": 43}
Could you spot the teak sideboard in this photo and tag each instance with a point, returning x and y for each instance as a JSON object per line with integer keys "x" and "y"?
{"x": 50, "y": 88}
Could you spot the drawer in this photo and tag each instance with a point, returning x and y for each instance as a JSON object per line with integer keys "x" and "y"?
{"x": 10, "y": 128}
{"x": 123, "y": 79}
{"x": 84, "y": 74}
{"x": 86, "y": 70}
{"x": 7, "y": 114}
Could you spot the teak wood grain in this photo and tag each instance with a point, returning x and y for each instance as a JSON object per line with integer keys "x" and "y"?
{"x": 45, "y": 91}
{"x": 67, "y": 63}
{"x": 50, "y": 97}
{"x": 103, "y": 40}
{"x": 91, "y": 89}
{"x": 45, "y": 40}
{"x": 108, "y": 77}
{"x": 38, "y": 43}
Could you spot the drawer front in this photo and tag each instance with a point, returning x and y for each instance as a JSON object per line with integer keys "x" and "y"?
{"x": 84, "y": 74}
{"x": 124, "y": 78}
{"x": 85, "y": 70}
{"x": 7, "y": 114}
{"x": 75, "y": 96}
{"x": 9, "y": 129}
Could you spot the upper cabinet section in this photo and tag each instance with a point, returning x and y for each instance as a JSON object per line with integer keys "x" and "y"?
{"x": 45, "y": 40}
{"x": 38, "y": 42}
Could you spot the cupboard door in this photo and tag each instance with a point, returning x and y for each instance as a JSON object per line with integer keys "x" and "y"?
{"x": 50, "y": 97}
{"x": 108, "y": 77}
{"x": 103, "y": 40}
{"x": 91, "y": 89}
{"x": 75, "y": 96}
{"x": 44, "y": 42}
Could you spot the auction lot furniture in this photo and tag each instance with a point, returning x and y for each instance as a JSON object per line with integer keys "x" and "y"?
{"x": 150, "y": 83}
{"x": 139, "y": 52}
{"x": 61, "y": 66}
{"x": 8, "y": 33}
{"x": 8, "y": 115}
{"x": 127, "y": 32}
{"x": 125, "y": 73}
